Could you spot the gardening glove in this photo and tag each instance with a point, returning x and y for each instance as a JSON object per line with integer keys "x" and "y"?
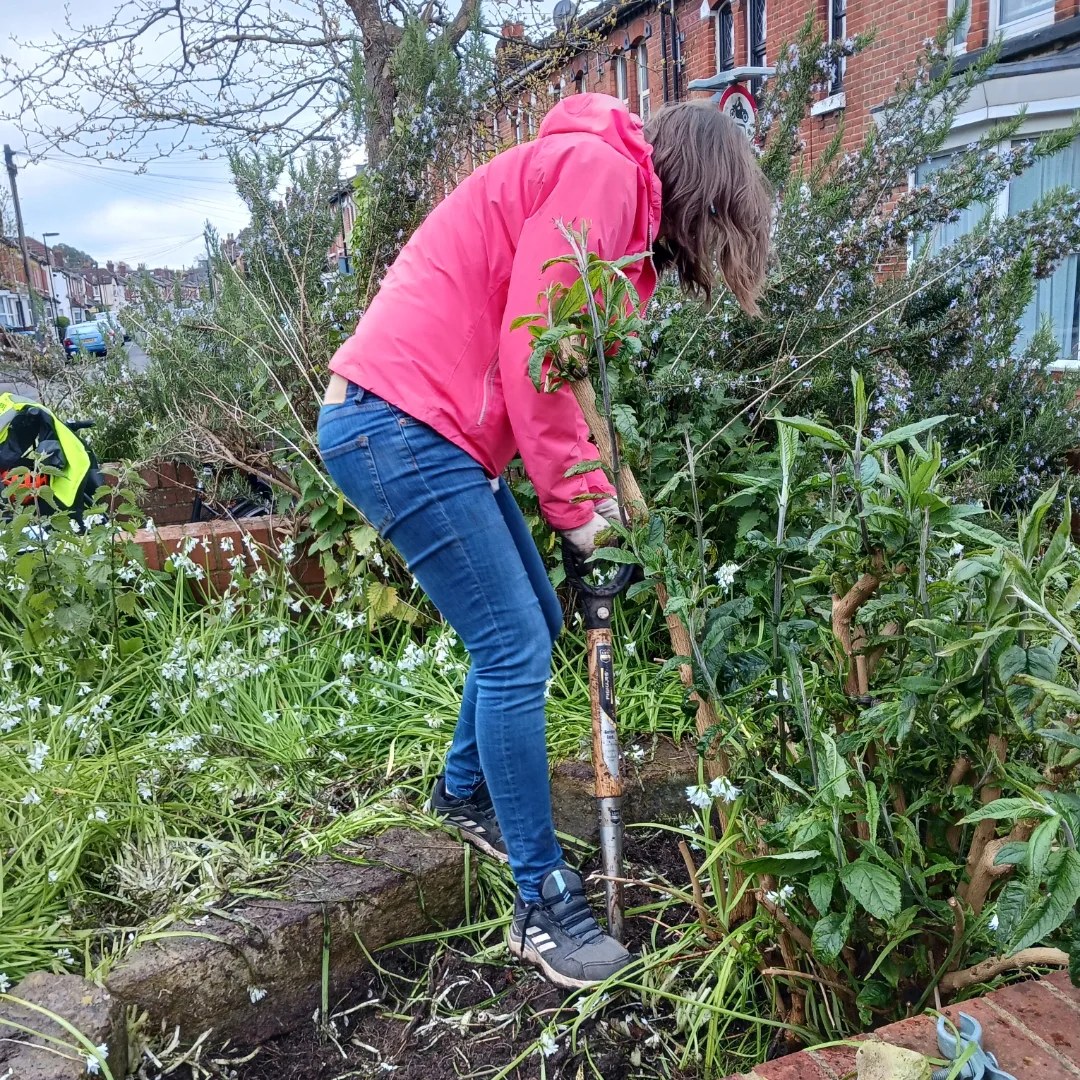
{"x": 609, "y": 509}
{"x": 582, "y": 540}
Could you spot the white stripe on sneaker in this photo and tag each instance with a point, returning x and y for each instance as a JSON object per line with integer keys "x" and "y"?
{"x": 546, "y": 946}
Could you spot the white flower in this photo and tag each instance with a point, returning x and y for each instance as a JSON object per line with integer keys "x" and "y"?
{"x": 36, "y": 758}
{"x": 31, "y": 798}
{"x": 5, "y": 983}
{"x": 725, "y": 576}
{"x": 956, "y": 550}
{"x": 33, "y": 704}
{"x": 631, "y": 648}
{"x": 99, "y": 815}
{"x": 256, "y": 993}
{"x": 780, "y": 898}
{"x": 722, "y": 788}
{"x": 54, "y": 877}
{"x": 93, "y": 1061}
{"x": 548, "y": 1043}
{"x": 993, "y": 923}
{"x": 636, "y": 754}
{"x": 64, "y": 956}
{"x": 698, "y": 796}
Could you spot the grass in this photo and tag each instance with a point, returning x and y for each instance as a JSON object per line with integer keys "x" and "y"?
{"x": 148, "y": 771}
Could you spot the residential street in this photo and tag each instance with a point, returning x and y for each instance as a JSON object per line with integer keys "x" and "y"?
{"x": 137, "y": 358}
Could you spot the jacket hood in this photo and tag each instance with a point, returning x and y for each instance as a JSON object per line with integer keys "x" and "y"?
{"x": 609, "y": 119}
{"x": 598, "y": 114}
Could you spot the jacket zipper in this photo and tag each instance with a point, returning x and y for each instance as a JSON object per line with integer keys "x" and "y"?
{"x": 489, "y": 386}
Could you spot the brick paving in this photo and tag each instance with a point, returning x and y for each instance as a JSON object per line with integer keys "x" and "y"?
{"x": 1033, "y": 1028}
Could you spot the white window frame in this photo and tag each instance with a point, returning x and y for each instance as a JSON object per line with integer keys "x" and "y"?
{"x": 717, "y": 23}
{"x": 622, "y": 79}
{"x": 641, "y": 55}
{"x": 532, "y": 115}
{"x": 965, "y": 130}
{"x": 517, "y": 126}
{"x": 958, "y": 48}
{"x": 1020, "y": 26}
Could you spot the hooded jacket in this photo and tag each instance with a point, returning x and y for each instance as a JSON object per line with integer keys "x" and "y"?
{"x": 436, "y": 341}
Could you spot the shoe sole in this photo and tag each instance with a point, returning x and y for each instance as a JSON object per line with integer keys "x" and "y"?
{"x": 530, "y": 955}
{"x": 477, "y": 842}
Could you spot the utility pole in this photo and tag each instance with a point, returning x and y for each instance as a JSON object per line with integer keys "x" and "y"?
{"x": 209, "y": 261}
{"x": 49, "y": 273}
{"x": 9, "y": 162}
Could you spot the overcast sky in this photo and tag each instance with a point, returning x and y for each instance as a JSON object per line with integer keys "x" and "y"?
{"x": 105, "y": 209}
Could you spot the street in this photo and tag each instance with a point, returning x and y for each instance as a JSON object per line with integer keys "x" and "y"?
{"x": 137, "y": 359}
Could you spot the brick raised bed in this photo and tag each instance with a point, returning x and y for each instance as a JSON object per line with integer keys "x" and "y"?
{"x": 1033, "y": 1028}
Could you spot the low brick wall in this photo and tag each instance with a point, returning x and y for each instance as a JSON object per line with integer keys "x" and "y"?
{"x": 1032, "y": 1028}
{"x": 212, "y": 545}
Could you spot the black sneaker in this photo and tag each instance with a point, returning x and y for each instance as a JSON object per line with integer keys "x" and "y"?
{"x": 561, "y": 936}
{"x": 474, "y": 818}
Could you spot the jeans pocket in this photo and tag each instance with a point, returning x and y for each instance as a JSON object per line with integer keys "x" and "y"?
{"x": 352, "y": 467}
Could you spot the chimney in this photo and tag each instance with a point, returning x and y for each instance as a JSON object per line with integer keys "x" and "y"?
{"x": 109, "y": 266}
{"x": 512, "y": 32}
{"x": 57, "y": 258}
{"x": 123, "y": 268}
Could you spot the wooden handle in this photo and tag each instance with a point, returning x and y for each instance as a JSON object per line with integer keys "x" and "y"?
{"x": 607, "y": 755}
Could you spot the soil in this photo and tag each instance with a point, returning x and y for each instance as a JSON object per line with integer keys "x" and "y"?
{"x": 441, "y": 1014}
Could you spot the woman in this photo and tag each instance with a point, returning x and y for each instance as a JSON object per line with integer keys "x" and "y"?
{"x": 431, "y": 399}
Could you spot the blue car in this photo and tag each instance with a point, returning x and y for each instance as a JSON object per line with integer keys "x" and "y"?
{"x": 85, "y": 337}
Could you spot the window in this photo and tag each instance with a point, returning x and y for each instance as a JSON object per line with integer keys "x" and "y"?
{"x": 517, "y": 124}
{"x": 622, "y": 88}
{"x": 532, "y": 115}
{"x": 837, "y": 34}
{"x": 959, "y": 41}
{"x": 1012, "y": 17}
{"x": 757, "y": 30}
{"x": 725, "y": 38}
{"x": 1057, "y": 298}
{"x": 580, "y": 81}
{"x": 643, "y": 80}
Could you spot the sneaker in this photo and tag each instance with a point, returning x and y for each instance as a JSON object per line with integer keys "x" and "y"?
{"x": 473, "y": 818}
{"x": 561, "y": 936}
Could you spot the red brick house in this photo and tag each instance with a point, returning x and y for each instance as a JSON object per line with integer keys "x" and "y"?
{"x": 650, "y": 52}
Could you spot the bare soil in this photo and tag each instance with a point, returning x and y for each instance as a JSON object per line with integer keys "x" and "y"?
{"x": 430, "y": 1014}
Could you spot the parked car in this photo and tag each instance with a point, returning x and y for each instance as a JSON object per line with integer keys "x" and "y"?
{"x": 112, "y": 326}
{"x": 85, "y": 337}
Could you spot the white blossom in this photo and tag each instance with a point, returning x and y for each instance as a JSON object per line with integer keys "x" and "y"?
{"x": 698, "y": 796}
{"x": 725, "y": 576}
{"x": 548, "y": 1043}
{"x": 256, "y": 993}
{"x": 781, "y": 897}
{"x": 36, "y": 758}
{"x": 722, "y": 788}
{"x": 31, "y": 798}
{"x": 993, "y": 923}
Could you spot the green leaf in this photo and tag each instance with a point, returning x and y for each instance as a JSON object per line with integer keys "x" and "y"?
{"x": 615, "y": 555}
{"x": 1039, "y": 846}
{"x": 1031, "y": 523}
{"x": 1062, "y": 892}
{"x": 829, "y": 936}
{"x": 861, "y": 411}
{"x": 1014, "y": 853}
{"x": 824, "y": 532}
{"x": 786, "y": 863}
{"x": 813, "y": 429}
{"x": 821, "y": 890}
{"x": 1064, "y": 695}
{"x": 789, "y": 783}
{"x": 583, "y": 467}
{"x": 1058, "y": 546}
{"x": 902, "y": 434}
{"x": 873, "y": 997}
{"x": 869, "y": 470}
{"x": 834, "y": 770}
{"x": 1010, "y": 906}
{"x": 873, "y": 887}
{"x": 362, "y": 539}
{"x": 1004, "y": 810}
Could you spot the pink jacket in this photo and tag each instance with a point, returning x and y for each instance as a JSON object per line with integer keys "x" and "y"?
{"x": 436, "y": 341}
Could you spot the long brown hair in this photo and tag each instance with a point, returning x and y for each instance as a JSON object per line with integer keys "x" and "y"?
{"x": 717, "y": 205}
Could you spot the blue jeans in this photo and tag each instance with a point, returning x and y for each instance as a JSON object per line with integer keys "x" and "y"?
{"x": 467, "y": 543}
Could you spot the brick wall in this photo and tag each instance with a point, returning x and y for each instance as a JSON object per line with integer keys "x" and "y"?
{"x": 212, "y": 544}
{"x": 870, "y": 78}
{"x": 169, "y": 494}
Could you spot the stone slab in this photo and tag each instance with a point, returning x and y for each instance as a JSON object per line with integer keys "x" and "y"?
{"x": 88, "y": 1008}
{"x": 210, "y": 974}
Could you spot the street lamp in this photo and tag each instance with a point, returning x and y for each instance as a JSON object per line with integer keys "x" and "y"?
{"x": 48, "y": 270}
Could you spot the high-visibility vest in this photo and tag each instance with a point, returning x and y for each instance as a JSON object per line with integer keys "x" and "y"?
{"x": 62, "y": 448}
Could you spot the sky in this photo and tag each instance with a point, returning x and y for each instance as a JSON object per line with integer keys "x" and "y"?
{"x": 106, "y": 209}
